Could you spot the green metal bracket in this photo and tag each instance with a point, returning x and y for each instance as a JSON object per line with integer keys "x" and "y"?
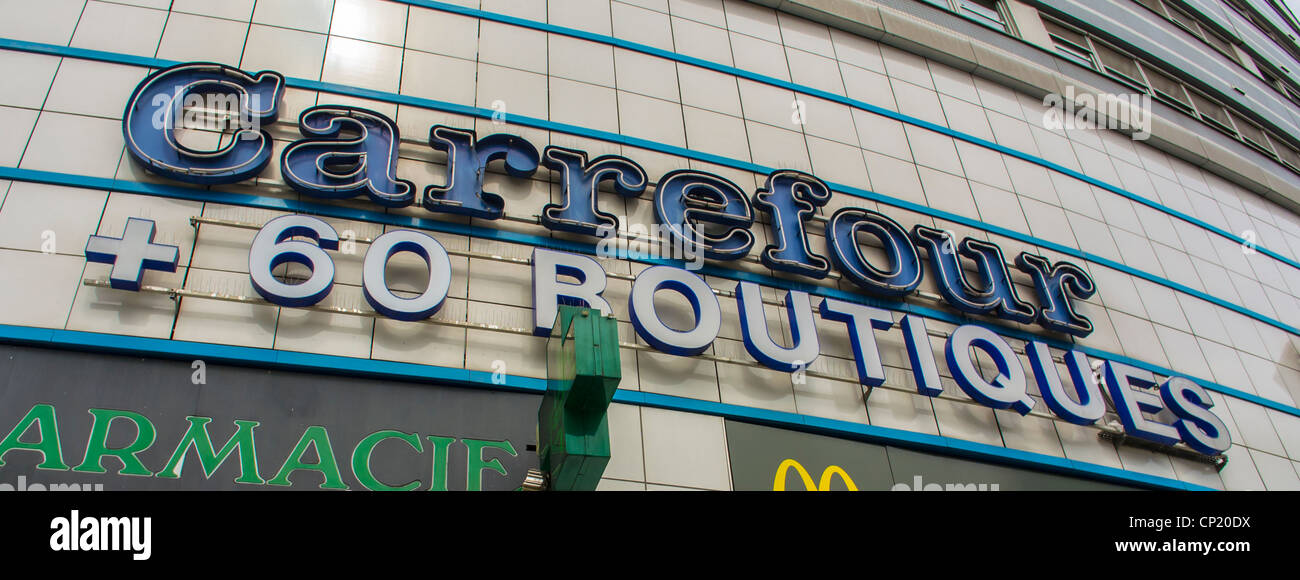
{"x": 583, "y": 371}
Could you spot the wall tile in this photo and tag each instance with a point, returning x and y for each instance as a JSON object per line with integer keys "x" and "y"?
{"x": 685, "y": 449}
{"x": 118, "y": 28}
{"x": 46, "y": 299}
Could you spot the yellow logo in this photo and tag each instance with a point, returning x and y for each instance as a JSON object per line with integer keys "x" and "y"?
{"x": 778, "y": 484}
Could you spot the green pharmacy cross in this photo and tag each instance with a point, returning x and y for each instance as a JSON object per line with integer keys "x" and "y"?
{"x": 583, "y": 371}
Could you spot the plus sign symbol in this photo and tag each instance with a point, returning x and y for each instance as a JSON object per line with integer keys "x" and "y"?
{"x": 132, "y": 254}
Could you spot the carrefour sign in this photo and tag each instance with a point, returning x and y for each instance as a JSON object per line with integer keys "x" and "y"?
{"x": 348, "y": 152}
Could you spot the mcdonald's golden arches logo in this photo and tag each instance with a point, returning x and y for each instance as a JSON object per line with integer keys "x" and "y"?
{"x": 824, "y": 484}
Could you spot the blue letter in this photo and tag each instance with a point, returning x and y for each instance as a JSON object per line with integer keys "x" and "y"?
{"x": 758, "y": 340}
{"x": 863, "y": 321}
{"x": 924, "y": 367}
{"x": 1089, "y": 406}
{"x": 998, "y": 297}
{"x": 1055, "y": 285}
{"x": 1005, "y": 391}
{"x": 792, "y": 196}
{"x": 549, "y": 291}
{"x": 157, "y": 107}
{"x": 467, "y": 161}
{"x": 645, "y": 319}
{"x": 687, "y": 198}
{"x": 904, "y": 273}
{"x": 331, "y": 165}
{"x": 1201, "y": 429}
{"x": 578, "y": 211}
{"x": 1130, "y": 404}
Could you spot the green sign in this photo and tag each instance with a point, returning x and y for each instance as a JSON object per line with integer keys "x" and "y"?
{"x": 583, "y": 371}
{"x": 147, "y": 424}
{"x": 38, "y": 433}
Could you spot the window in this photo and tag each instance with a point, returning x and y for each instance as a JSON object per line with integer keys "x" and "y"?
{"x": 986, "y": 12}
{"x": 1221, "y": 44}
{"x": 989, "y": 13}
{"x": 1168, "y": 90}
{"x": 1267, "y": 75}
{"x": 1184, "y": 20}
{"x": 1263, "y": 27}
{"x": 1293, "y": 93}
{"x": 1083, "y": 49}
{"x": 1212, "y": 113}
{"x": 1120, "y": 65}
{"x": 1252, "y": 135}
{"x": 1154, "y": 5}
{"x": 1288, "y": 155}
{"x": 1070, "y": 44}
{"x": 1192, "y": 25}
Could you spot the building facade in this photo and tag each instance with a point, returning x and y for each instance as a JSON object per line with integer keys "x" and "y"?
{"x": 905, "y": 244}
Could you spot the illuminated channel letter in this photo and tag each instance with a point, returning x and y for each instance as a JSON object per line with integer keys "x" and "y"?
{"x": 1133, "y": 404}
{"x": 1005, "y": 391}
{"x": 863, "y": 323}
{"x": 549, "y": 291}
{"x": 758, "y": 340}
{"x": 1081, "y": 405}
{"x": 272, "y": 247}
{"x": 1056, "y": 284}
{"x": 997, "y": 297}
{"x": 791, "y": 197}
{"x": 132, "y": 254}
{"x": 375, "y": 286}
{"x": 904, "y": 273}
{"x": 924, "y": 368}
{"x": 645, "y": 317}
{"x": 157, "y": 109}
{"x": 346, "y": 152}
{"x": 467, "y": 162}
{"x": 697, "y": 207}
{"x": 578, "y": 211}
{"x": 1200, "y": 428}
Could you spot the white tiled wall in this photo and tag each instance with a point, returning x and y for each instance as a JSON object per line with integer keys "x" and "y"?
{"x": 63, "y": 116}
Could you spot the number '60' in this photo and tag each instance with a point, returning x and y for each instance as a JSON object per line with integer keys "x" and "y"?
{"x": 275, "y": 244}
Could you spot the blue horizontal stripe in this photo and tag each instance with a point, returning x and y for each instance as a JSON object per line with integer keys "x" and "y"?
{"x": 865, "y": 106}
{"x": 348, "y": 366}
{"x": 348, "y": 213}
{"x": 717, "y": 160}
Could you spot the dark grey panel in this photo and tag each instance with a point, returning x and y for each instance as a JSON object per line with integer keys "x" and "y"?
{"x": 913, "y": 467}
{"x": 285, "y": 403}
{"x": 757, "y": 453}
